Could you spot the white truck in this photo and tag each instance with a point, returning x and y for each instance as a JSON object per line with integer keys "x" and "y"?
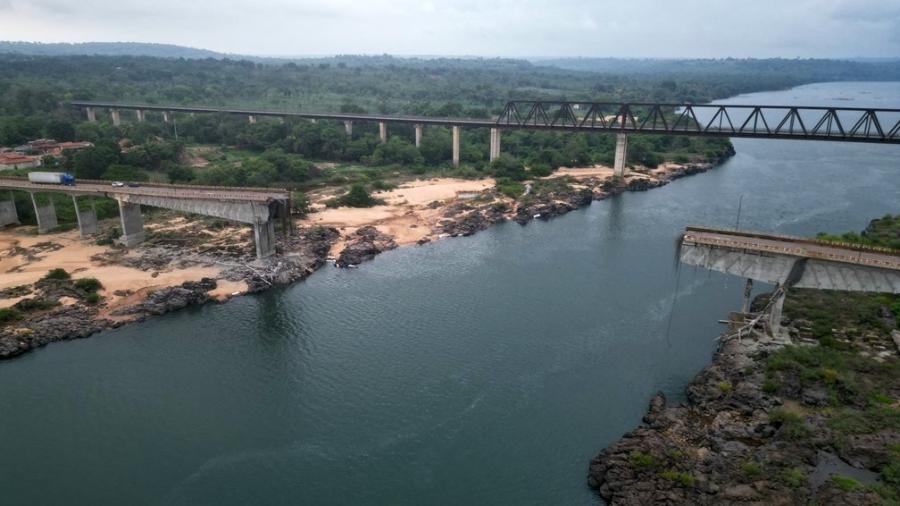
{"x": 63, "y": 178}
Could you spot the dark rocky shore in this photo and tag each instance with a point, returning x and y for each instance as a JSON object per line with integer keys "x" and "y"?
{"x": 303, "y": 253}
{"x": 810, "y": 418}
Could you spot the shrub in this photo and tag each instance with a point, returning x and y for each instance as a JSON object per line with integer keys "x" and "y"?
{"x": 751, "y": 469}
{"x": 681, "y": 477}
{"x": 57, "y": 274}
{"x": 724, "y": 387}
{"x": 642, "y": 460}
{"x": 358, "y": 196}
{"x": 8, "y": 314}
{"x": 93, "y": 298}
{"x": 793, "y": 477}
{"x": 381, "y": 185}
{"x": 510, "y": 188}
{"x": 34, "y": 304}
{"x": 792, "y": 425}
{"x": 89, "y": 285}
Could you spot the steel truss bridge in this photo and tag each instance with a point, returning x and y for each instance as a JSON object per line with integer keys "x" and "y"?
{"x": 846, "y": 124}
{"x": 825, "y": 123}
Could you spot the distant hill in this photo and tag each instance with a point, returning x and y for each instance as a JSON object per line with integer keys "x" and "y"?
{"x": 107, "y": 49}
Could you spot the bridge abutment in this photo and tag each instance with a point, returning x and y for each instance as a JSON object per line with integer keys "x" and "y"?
{"x": 495, "y": 144}
{"x": 132, "y": 223}
{"x": 619, "y": 168}
{"x": 46, "y": 215}
{"x": 456, "y": 132}
{"x": 87, "y": 219}
{"x": 264, "y": 238}
{"x": 382, "y": 131}
{"x": 419, "y": 130}
{"x": 8, "y": 214}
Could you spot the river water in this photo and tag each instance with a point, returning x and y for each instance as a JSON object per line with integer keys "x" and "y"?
{"x": 480, "y": 370}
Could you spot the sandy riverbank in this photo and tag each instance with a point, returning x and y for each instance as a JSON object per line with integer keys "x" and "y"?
{"x": 191, "y": 260}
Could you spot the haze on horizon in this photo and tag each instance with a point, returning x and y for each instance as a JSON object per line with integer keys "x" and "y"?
{"x": 511, "y": 28}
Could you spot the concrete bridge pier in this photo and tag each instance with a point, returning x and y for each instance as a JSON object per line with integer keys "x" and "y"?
{"x": 419, "y": 129}
{"x": 348, "y": 127}
{"x": 114, "y": 114}
{"x": 619, "y": 168}
{"x": 91, "y": 114}
{"x": 382, "y": 131}
{"x": 167, "y": 116}
{"x": 748, "y": 289}
{"x": 456, "y": 132}
{"x": 139, "y": 115}
{"x": 46, "y": 215}
{"x": 132, "y": 223}
{"x": 87, "y": 219}
{"x": 264, "y": 238}
{"x": 495, "y": 144}
{"x": 777, "y": 308}
{"x": 8, "y": 214}
{"x": 251, "y": 118}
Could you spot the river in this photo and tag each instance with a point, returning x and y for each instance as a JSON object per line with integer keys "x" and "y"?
{"x": 479, "y": 370}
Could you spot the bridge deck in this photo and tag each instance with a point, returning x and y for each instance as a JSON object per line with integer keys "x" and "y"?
{"x": 794, "y": 246}
{"x": 151, "y": 190}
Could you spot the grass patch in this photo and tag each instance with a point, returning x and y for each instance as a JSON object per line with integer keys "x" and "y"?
{"x": 846, "y": 483}
{"x": 854, "y": 421}
{"x": 793, "y": 477}
{"x": 8, "y": 314}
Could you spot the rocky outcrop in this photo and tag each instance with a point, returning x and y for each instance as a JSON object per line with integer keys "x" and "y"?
{"x": 363, "y": 245}
{"x": 57, "y": 325}
{"x": 172, "y": 298}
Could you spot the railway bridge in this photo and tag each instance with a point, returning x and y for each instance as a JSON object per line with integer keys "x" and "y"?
{"x": 825, "y": 123}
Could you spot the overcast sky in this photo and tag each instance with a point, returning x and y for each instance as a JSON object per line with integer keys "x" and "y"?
{"x": 626, "y": 28}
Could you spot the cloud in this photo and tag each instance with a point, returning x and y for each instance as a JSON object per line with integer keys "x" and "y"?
{"x": 474, "y": 27}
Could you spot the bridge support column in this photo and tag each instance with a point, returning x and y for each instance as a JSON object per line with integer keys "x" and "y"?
{"x": 46, "y": 215}
{"x": 619, "y": 168}
{"x": 132, "y": 223}
{"x": 419, "y": 130}
{"x": 456, "y": 129}
{"x": 114, "y": 114}
{"x": 348, "y": 127}
{"x": 8, "y": 214}
{"x": 264, "y": 237}
{"x": 382, "y": 131}
{"x": 495, "y": 144}
{"x": 91, "y": 114}
{"x": 167, "y": 116}
{"x": 775, "y": 315}
{"x": 251, "y": 118}
{"x": 745, "y": 303}
{"x": 139, "y": 115}
{"x": 87, "y": 220}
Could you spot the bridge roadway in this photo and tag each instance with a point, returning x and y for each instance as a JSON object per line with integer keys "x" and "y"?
{"x": 255, "y": 206}
{"x": 788, "y": 261}
{"x": 801, "y": 247}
